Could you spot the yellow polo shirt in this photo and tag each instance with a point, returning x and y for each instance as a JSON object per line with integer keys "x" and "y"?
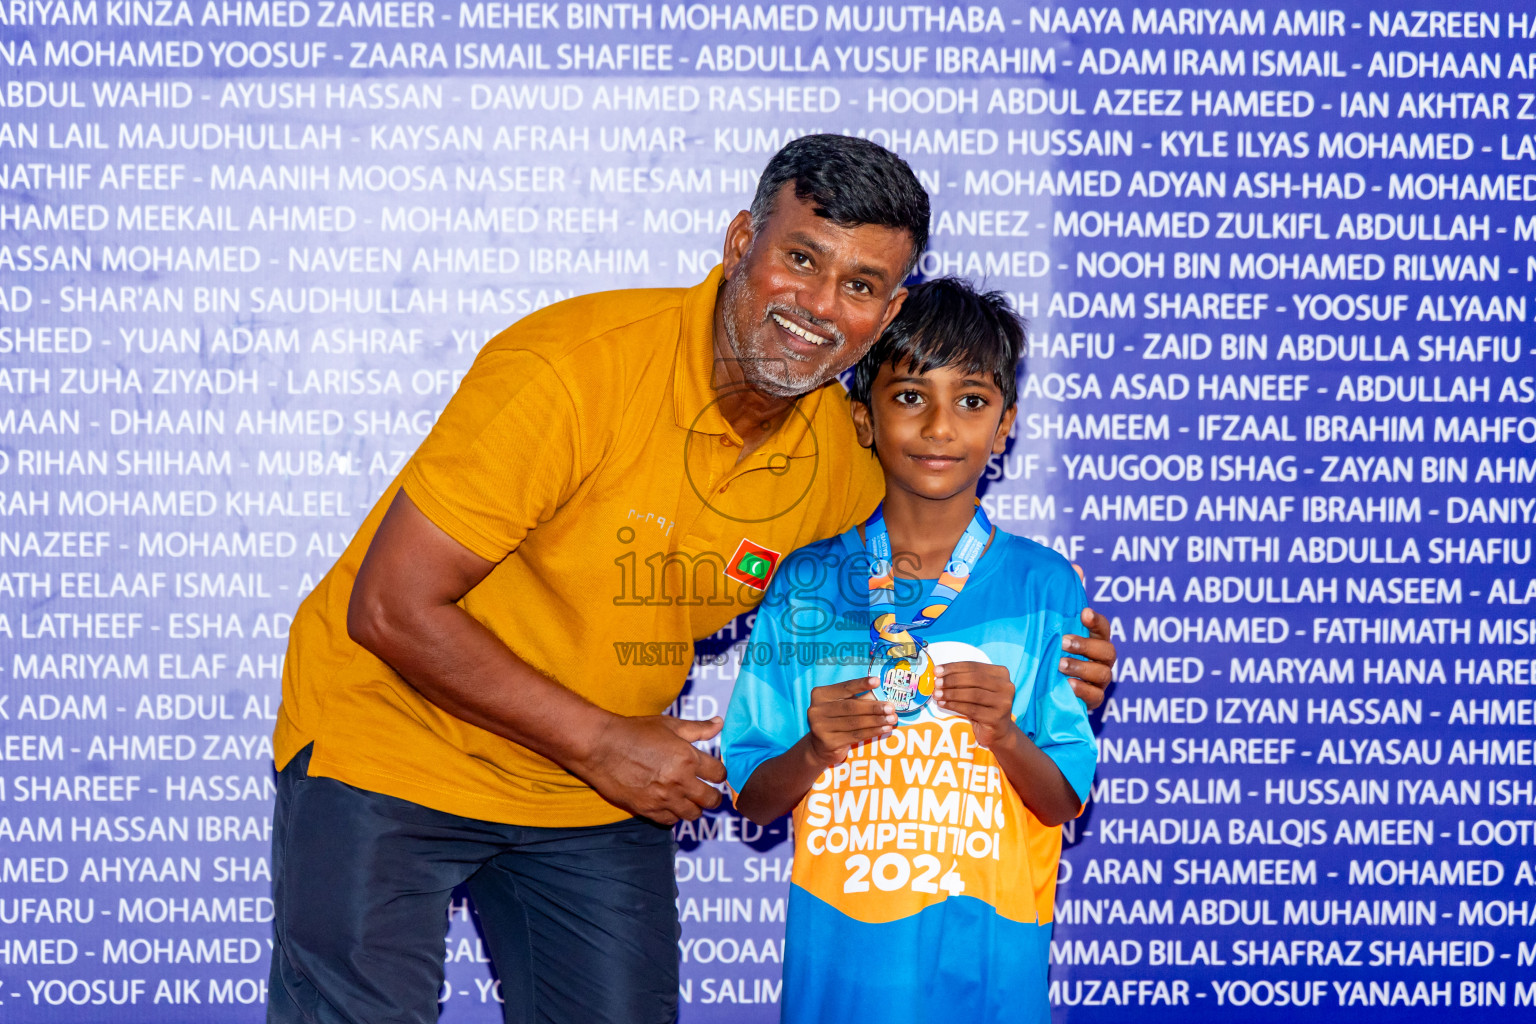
{"x": 584, "y": 454}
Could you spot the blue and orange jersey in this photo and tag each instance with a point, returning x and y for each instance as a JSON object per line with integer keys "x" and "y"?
{"x": 923, "y": 887}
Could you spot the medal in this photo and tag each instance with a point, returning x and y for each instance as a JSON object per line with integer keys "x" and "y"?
{"x": 899, "y": 660}
{"x": 906, "y": 675}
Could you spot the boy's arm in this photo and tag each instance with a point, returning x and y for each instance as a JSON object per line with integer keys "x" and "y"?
{"x": 775, "y": 744}
{"x": 839, "y": 719}
{"x": 984, "y": 694}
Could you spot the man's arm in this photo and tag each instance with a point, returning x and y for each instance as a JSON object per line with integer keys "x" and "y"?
{"x": 404, "y": 610}
{"x": 1090, "y": 677}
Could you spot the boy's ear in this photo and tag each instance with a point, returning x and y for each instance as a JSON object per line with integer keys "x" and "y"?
{"x": 863, "y": 424}
{"x": 1000, "y": 439}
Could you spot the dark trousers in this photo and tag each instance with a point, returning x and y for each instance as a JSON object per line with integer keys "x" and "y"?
{"x": 580, "y": 922}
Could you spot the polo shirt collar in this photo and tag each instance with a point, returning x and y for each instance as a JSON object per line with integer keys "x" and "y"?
{"x": 694, "y": 401}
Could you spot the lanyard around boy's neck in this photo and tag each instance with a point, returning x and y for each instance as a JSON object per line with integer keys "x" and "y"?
{"x": 885, "y": 633}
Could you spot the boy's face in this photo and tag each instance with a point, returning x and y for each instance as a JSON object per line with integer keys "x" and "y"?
{"x": 933, "y": 431}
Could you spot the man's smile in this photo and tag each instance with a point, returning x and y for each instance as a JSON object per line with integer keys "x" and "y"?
{"x": 803, "y": 333}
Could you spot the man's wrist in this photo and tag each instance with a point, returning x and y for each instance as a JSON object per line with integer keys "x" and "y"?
{"x": 589, "y": 736}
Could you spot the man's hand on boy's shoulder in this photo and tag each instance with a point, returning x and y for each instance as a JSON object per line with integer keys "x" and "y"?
{"x": 1092, "y": 665}
{"x": 840, "y": 717}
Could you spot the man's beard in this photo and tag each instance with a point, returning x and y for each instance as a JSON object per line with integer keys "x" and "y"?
{"x": 782, "y": 375}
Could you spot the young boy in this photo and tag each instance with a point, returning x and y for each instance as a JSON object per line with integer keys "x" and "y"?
{"x": 901, "y": 694}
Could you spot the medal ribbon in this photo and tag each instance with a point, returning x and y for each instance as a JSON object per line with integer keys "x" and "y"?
{"x": 885, "y": 633}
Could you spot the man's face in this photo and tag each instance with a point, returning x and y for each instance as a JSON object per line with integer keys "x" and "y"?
{"x": 805, "y": 298}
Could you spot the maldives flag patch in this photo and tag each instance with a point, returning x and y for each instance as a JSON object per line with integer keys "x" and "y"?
{"x": 752, "y": 564}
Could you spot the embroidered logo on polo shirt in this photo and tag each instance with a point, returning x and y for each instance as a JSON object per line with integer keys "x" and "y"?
{"x": 752, "y": 564}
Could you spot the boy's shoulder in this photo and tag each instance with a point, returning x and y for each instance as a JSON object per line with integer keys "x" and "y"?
{"x": 810, "y": 569}
{"x": 1028, "y": 564}
{"x": 824, "y": 554}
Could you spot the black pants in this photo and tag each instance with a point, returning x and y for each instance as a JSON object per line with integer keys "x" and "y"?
{"x": 580, "y": 922}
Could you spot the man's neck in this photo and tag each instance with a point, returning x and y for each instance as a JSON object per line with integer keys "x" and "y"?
{"x": 924, "y": 531}
{"x": 751, "y": 413}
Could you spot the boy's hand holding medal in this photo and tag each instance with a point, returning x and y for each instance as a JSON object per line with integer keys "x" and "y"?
{"x": 841, "y": 717}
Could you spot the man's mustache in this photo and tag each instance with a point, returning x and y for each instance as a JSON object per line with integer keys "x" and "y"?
{"x": 826, "y": 327}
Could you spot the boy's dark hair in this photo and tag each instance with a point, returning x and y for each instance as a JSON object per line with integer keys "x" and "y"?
{"x": 850, "y": 181}
{"x": 947, "y": 322}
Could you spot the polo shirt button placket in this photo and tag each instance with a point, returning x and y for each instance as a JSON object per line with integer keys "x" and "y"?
{"x": 725, "y": 439}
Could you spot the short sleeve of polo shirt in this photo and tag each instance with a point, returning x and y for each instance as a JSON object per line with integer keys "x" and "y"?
{"x": 503, "y": 457}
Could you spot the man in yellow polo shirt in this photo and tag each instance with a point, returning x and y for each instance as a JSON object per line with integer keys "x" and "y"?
{"x": 474, "y": 693}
